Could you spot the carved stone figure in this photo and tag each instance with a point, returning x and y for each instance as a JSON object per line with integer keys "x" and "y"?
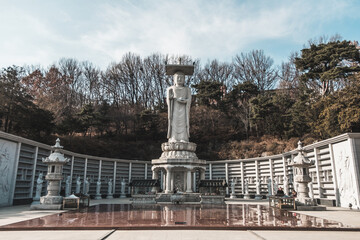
{"x": 232, "y": 185}
{"x": 39, "y": 185}
{"x": 87, "y": 186}
{"x": 276, "y": 184}
{"x": 178, "y": 101}
{"x": 98, "y": 188}
{"x": 78, "y": 185}
{"x": 258, "y": 195}
{"x": 269, "y": 186}
{"x": 6, "y": 154}
{"x": 110, "y": 186}
{"x": 246, "y": 186}
{"x": 258, "y": 185}
{"x": 311, "y": 190}
{"x": 67, "y": 186}
{"x": 123, "y": 183}
{"x": 286, "y": 185}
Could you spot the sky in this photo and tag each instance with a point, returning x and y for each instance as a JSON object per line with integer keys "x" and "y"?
{"x": 40, "y": 32}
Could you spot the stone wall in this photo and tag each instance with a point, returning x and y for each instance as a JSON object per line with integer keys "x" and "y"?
{"x": 334, "y": 176}
{"x": 21, "y": 164}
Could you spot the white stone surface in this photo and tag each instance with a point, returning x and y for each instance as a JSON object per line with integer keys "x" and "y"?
{"x": 7, "y": 164}
{"x": 345, "y": 174}
{"x": 183, "y": 235}
{"x": 176, "y": 235}
{"x": 54, "y": 235}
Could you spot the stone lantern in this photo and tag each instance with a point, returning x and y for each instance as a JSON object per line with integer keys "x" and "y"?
{"x": 55, "y": 163}
{"x": 301, "y": 166}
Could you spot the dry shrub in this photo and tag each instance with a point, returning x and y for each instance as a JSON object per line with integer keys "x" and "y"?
{"x": 263, "y": 146}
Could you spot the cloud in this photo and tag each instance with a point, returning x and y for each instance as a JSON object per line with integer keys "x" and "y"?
{"x": 206, "y": 29}
{"x": 103, "y": 31}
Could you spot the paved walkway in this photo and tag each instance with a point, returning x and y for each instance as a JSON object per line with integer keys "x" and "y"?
{"x": 20, "y": 213}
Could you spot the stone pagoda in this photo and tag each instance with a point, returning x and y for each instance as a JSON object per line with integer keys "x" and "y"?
{"x": 178, "y": 163}
{"x": 55, "y": 163}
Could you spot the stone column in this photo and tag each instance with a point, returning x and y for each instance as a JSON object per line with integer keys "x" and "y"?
{"x": 155, "y": 175}
{"x": 188, "y": 182}
{"x": 202, "y": 174}
{"x": 171, "y": 182}
{"x": 168, "y": 179}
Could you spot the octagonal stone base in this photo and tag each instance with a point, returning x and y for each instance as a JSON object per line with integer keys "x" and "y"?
{"x": 46, "y": 207}
{"x": 51, "y": 200}
{"x": 48, "y": 203}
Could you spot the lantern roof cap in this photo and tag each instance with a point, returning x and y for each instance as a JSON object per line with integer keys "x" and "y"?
{"x": 301, "y": 159}
{"x": 56, "y": 156}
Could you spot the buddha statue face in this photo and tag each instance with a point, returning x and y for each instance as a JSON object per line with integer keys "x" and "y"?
{"x": 179, "y": 79}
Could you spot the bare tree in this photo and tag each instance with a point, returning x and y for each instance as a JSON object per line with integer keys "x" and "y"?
{"x": 154, "y": 74}
{"x": 93, "y": 82}
{"x": 257, "y": 68}
{"x": 219, "y": 72}
{"x": 289, "y": 76}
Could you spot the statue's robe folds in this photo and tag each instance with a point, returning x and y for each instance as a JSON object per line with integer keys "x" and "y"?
{"x": 178, "y": 113}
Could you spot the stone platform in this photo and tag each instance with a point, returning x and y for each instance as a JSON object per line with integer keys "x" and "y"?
{"x": 208, "y": 199}
{"x": 186, "y": 197}
{"x": 143, "y": 199}
{"x": 48, "y": 203}
{"x": 179, "y": 164}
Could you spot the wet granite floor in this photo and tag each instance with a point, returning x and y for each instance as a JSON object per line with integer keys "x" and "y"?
{"x": 229, "y": 217}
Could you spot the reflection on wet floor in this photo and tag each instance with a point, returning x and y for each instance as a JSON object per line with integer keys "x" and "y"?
{"x": 127, "y": 216}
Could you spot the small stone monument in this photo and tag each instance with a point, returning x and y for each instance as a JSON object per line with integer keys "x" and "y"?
{"x": 301, "y": 166}
{"x": 123, "y": 183}
{"x": 311, "y": 190}
{"x": 98, "y": 188}
{"x": 55, "y": 162}
{"x": 276, "y": 185}
{"x": 269, "y": 186}
{"x": 67, "y": 186}
{"x": 87, "y": 186}
{"x": 246, "y": 189}
{"x": 286, "y": 185}
{"x": 110, "y": 186}
{"x": 258, "y": 195}
{"x": 39, "y": 185}
{"x": 232, "y": 184}
{"x": 78, "y": 185}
